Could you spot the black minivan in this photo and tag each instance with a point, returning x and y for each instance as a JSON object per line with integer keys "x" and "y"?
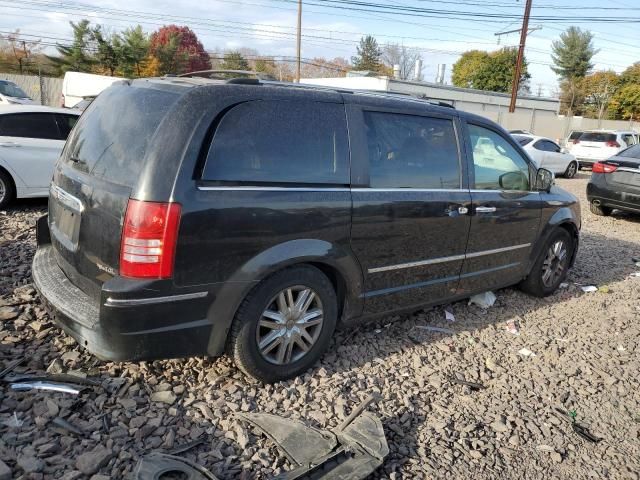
{"x": 190, "y": 216}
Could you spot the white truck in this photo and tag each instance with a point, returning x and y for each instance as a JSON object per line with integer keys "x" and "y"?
{"x": 78, "y": 86}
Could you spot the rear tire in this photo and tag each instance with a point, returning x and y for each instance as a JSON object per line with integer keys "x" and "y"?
{"x": 571, "y": 170}
{"x": 600, "y": 209}
{"x": 274, "y": 347}
{"x": 552, "y": 266}
{"x": 7, "y": 189}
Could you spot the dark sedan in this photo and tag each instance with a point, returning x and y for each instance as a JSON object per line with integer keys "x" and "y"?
{"x": 615, "y": 183}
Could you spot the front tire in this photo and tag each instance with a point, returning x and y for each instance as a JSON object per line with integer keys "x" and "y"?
{"x": 284, "y": 325}
{"x": 7, "y": 190}
{"x": 600, "y": 209}
{"x": 571, "y": 170}
{"x": 552, "y": 266}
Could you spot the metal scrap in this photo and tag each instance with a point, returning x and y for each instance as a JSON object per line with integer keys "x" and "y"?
{"x": 62, "y": 423}
{"x": 187, "y": 446}
{"x": 158, "y": 465}
{"x": 56, "y": 377}
{"x": 350, "y": 452}
{"x": 471, "y": 385}
{"x": 10, "y": 367}
{"x": 46, "y": 386}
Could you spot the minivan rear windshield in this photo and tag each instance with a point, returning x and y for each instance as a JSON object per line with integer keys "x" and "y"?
{"x": 597, "y": 137}
{"x": 111, "y": 138}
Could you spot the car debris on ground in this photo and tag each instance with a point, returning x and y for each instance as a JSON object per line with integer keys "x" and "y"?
{"x": 483, "y": 300}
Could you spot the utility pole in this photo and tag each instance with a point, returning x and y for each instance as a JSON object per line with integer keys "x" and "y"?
{"x": 299, "y": 40}
{"x": 523, "y": 41}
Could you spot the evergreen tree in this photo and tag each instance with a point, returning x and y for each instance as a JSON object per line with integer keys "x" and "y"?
{"x": 135, "y": 48}
{"x": 234, "y": 61}
{"x": 77, "y": 57}
{"x": 572, "y": 54}
{"x": 368, "y": 57}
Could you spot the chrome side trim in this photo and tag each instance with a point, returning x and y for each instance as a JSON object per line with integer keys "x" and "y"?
{"x": 66, "y": 199}
{"x": 130, "y": 302}
{"x": 627, "y": 169}
{"x": 408, "y": 190}
{"x": 421, "y": 263}
{"x": 504, "y": 191}
{"x": 275, "y": 189}
{"x": 497, "y": 250}
{"x": 451, "y": 258}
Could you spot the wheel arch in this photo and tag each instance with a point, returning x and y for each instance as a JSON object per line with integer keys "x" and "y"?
{"x": 335, "y": 261}
{"x": 565, "y": 219}
{"x": 11, "y": 179}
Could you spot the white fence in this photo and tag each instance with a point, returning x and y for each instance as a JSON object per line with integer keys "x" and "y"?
{"x": 44, "y": 90}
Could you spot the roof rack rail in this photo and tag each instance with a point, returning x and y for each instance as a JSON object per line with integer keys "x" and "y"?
{"x": 228, "y": 75}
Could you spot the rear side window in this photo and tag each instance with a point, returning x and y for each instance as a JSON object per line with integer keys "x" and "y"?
{"x": 597, "y": 137}
{"x": 66, "y": 124}
{"x": 111, "y": 138}
{"x": 280, "y": 142}
{"x": 410, "y": 151}
{"x": 575, "y": 135}
{"x": 30, "y": 125}
{"x": 631, "y": 152}
{"x": 546, "y": 146}
{"x": 629, "y": 139}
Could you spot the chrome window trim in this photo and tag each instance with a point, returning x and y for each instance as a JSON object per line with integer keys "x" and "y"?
{"x": 478, "y": 190}
{"x": 129, "y": 302}
{"x": 406, "y": 190}
{"x": 274, "y": 189}
{"x": 451, "y": 258}
{"x": 66, "y": 199}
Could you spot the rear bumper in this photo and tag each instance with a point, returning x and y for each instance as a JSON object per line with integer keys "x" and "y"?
{"x": 123, "y": 327}
{"x": 617, "y": 197}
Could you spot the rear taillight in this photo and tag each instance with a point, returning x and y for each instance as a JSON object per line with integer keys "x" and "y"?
{"x": 149, "y": 238}
{"x": 603, "y": 168}
{"x": 576, "y": 141}
{"x": 613, "y": 143}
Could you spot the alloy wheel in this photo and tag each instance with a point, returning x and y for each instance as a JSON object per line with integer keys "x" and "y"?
{"x": 554, "y": 263}
{"x": 3, "y": 190}
{"x": 571, "y": 170}
{"x": 290, "y": 325}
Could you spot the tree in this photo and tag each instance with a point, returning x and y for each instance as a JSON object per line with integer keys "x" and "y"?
{"x": 108, "y": 55}
{"x": 234, "y": 61}
{"x": 76, "y": 57}
{"x": 631, "y": 75}
{"x": 178, "y": 50}
{"x": 17, "y": 52}
{"x": 404, "y": 57}
{"x": 492, "y": 71}
{"x": 368, "y": 57}
{"x": 598, "y": 90}
{"x": 572, "y": 54}
{"x": 466, "y": 68}
{"x": 319, "y": 67}
{"x": 626, "y": 102}
{"x": 135, "y": 48}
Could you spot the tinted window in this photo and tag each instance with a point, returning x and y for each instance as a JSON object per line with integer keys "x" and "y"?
{"x": 408, "y": 151}
{"x": 66, "y": 123}
{"x": 575, "y": 135}
{"x": 112, "y": 136}
{"x": 10, "y": 89}
{"x": 29, "y": 125}
{"x": 546, "y": 146}
{"x": 631, "y": 152}
{"x": 629, "y": 139}
{"x": 523, "y": 140}
{"x": 597, "y": 137}
{"x": 493, "y": 157}
{"x": 280, "y": 142}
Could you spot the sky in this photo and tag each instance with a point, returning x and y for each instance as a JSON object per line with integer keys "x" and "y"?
{"x": 332, "y": 28}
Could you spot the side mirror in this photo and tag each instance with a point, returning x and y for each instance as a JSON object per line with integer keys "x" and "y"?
{"x": 544, "y": 180}
{"x": 564, "y": 150}
{"x": 513, "y": 181}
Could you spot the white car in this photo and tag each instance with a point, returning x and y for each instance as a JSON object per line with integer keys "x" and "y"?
{"x": 12, "y": 94}
{"x": 598, "y": 145}
{"x": 31, "y": 140}
{"x": 547, "y": 154}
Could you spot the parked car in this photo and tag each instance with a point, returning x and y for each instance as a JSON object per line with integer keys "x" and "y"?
{"x": 12, "y": 94}
{"x": 615, "y": 183}
{"x": 190, "y": 216}
{"x": 31, "y": 139}
{"x": 572, "y": 139}
{"x": 547, "y": 154}
{"x": 78, "y": 86}
{"x": 597, "y": 145}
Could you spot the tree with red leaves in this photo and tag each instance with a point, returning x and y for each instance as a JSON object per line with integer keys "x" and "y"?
{"x": 177, "y": 50}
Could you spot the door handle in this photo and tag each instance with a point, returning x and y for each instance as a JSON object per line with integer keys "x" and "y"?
{"x": 485, "y": 209}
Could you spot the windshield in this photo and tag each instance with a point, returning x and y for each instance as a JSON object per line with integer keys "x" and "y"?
{"x": 597, "y": 137}
{"x": 11, "y": 90}
{"x": 523, "y": 140}
{"x": 631, "y": 152}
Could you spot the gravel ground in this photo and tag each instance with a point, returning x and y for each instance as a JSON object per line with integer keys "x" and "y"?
{"x": 586, "y": 359}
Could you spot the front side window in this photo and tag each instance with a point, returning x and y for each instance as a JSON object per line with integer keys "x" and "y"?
{"x": 280, "y": 142}
{"x": 497, "y": 164}
{"x": 629, "y": 139}
{"x": 546, "y": 146}
{"x": 29, "y": 125}
{"x": 409, "y": 151}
